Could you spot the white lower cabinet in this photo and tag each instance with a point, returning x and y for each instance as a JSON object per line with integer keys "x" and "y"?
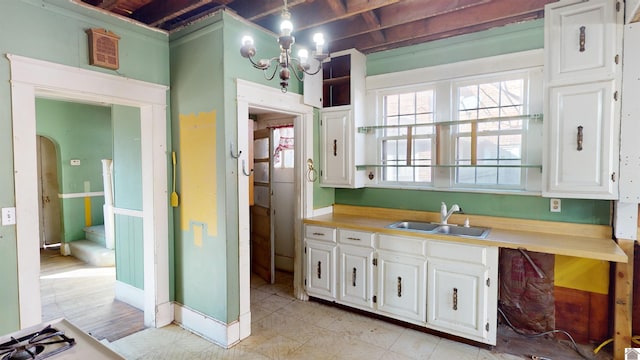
{"x": 462, "y": 290}
{"x": 356, "y": 276}
{"x": 401, "y": 286}
{"x": 446, "y": 286}
{"x": 320, "y": 279}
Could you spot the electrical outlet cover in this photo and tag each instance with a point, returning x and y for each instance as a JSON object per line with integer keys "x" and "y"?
{"x": 8, "y": 216}
{"x": 555, "y": 205}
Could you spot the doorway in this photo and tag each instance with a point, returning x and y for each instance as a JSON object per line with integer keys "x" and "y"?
{"x": 48, "y": 189}
{"x": 273, "y": 203}
{"x": 32, "y": 78}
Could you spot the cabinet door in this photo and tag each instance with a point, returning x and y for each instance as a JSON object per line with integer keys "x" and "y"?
{"x": 580, "y": 39}
{"x": 356, "y": 276}
{"x": 336, "y": 129}
{"x": 320, "y": 269}
{"x": 582, "y": 141}
{"x": 457, "y": 298}
{"x": 401, "y": 287}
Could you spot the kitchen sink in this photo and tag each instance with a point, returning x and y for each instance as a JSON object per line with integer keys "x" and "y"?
{"x": 434, "y": 228}
{"x": 414, "y": 225}
{"x": 477, "y": 232}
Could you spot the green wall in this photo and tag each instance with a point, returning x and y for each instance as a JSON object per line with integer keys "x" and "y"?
{"x": 503, "y": 40}
{"x": 55, "y": 31}
{"x": 83, "y": 132}
{"x": 127, "y": 185}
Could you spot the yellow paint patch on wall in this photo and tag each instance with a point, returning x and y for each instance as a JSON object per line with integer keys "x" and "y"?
{"x": 582, "y": 274}
{"x": 197, "y": 164}
{"x": 87, "y": 211}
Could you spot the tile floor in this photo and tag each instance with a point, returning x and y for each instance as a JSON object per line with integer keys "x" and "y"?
{"x": 286, "y": 328}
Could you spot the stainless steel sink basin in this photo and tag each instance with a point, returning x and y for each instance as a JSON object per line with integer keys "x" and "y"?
{"x": 476, "y": 232}
{"x": 433, "y": 228}
{"x": 414, "y": 225}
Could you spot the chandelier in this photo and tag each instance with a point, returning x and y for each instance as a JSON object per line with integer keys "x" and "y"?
{"x": 285, "y": 62}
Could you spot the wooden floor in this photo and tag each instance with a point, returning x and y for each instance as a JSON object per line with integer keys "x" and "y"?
{"x": 84, "y": 295}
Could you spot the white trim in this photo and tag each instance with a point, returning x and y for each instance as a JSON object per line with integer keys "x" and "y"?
{"x": 128, "y": 212}
{"x": 487, "y": 65}
{"x": 323, "y": 211}
{"x": 129, "y": 294}
{"x": 81, "y": 195}
{"x": 224, "y": 335}
{"x": 32, "y": 78}
{"x": 267, "y": 98}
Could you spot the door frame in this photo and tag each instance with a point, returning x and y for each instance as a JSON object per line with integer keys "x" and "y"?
{"x": 31, "y": 78}
{"x": 253, "y": 95}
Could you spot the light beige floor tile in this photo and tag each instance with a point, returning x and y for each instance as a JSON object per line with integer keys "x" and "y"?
{"x": 447, "y": 349}
{"x": 275, "y": 302}
{"x": 390, "y": 355}
{"x": 369, "y": 330}
{"x": 415, "y": 344}
{"x": 277, "y": 347}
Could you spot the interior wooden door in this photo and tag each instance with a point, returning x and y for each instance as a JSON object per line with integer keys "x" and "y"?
{"x": 50, "y": 212}
{"x": 262, "y": 247}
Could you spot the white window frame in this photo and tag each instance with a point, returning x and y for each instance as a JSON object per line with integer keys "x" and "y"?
{"x": 443, "y": 78}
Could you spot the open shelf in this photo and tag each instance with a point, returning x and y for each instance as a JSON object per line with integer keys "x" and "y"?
{"x": 535, "y": 117}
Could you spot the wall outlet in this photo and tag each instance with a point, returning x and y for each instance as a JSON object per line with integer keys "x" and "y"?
{"x": 555, "y": 205}
{"x": 8, "y": 216}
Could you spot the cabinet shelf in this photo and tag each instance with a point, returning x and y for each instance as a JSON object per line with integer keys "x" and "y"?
{"x": 534, "y": 117}
{"x": 338, "y": 80}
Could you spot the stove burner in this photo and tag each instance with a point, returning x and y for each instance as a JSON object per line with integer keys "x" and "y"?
{"x": 39, "y": 345}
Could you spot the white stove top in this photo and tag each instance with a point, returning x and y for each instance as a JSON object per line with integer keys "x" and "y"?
{"x": 85, "y": 346}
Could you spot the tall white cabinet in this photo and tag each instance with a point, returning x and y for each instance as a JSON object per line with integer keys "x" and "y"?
{"x": 583, "y": 43}
{"x": 341, "y": 147}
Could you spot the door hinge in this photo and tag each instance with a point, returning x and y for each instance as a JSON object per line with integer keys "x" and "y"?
{"x": 374, "y": 261}
{"x": 617, "y": 59}
{"x": 615, "y": 95}
{"x": 618, "y": 7}
{"x": 375, "y": 299}
{"x": 305, "y": 249}
{"x": 613, "y": 176}
{"x": 486, "y": 327}
{"x": 305, "y": 282}
{"x": 489, "y": 282}
{"x": 320, "y": 173}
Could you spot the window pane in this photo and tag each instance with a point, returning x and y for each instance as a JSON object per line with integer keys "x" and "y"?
{"x": 487, "y": 147}
{"x": 512, "y": 92}
{"x": 408, "y": 103}
{"x": 468, "y": 97}
{"x": 391, "y": 105}
{"x": 489, "y": 95}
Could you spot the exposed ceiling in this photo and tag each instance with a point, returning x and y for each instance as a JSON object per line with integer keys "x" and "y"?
{"x": 368, "y": 25}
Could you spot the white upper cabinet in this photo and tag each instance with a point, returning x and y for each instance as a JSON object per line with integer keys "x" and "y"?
{"x": 341, "y": 147}
{"x": 583, "y": 43}
{"x": 581, "y": 39}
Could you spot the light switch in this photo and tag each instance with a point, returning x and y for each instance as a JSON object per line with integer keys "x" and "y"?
{"x": 8, "y": 216}
{"x": 555, "y": 205}
{"x": 75, "y": 162}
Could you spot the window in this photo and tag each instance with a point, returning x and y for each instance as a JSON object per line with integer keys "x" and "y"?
{"x": 495, "y": 134}
{"x": 473, "y": 132}
{"x": 410, "y": 145}
{"x": 283, "y": 147}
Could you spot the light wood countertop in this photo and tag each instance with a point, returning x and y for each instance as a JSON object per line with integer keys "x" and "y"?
{"x": 570, "y": 239}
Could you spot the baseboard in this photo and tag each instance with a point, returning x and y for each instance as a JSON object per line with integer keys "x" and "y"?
{"x": 224, "y": 335}
{"x": 129, "y": 294}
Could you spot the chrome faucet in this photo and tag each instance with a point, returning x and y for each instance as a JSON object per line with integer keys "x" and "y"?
{"x": 444, "y": 215}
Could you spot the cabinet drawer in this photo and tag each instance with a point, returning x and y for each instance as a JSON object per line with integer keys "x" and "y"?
{"x": 462, "y": 252}
{"x": 320, "y": 233}
{"x": 353, "y": 237}
{"x": 401, "y": 244}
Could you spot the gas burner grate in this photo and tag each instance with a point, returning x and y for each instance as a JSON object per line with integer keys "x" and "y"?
{"x": 39, "y": 345}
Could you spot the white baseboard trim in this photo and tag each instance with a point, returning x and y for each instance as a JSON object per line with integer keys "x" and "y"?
{"x": 245, "y": 325}
{"x": 130, "y": 295}
{"x": 323, "y": 211}
{"x": 221, "y": 334}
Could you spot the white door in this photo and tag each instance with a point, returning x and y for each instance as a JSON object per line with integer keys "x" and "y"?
{"x": 335, "y": 168}
{"x": 50, "y": 213}
{"x": 401, "y": 286}
{"x": 283, "y": 199}
{"x": 457, "y": 297}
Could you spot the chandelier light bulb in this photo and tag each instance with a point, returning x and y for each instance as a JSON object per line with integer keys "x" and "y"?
{"x": 318, "y": 38}
{"x": 286, "y": 27}
{"x": 247, "y": 40}
{"x": 303, "y": 54}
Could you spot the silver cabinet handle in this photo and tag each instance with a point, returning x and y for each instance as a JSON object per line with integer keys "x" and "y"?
{"x": 580, "y": 138}
{"x": 399, "y": 286}
{"x": 354, "y": 239}
{"x": 583, "y": 38}
{"x": 318, "y": 234}
{"x": 353, "y": 277}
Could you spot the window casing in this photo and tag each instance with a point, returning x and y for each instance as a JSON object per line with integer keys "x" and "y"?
{"x": 462, "y": 133}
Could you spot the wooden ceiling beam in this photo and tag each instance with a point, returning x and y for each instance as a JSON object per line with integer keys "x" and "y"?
{"x": 257, "y": 10}
{"x": 406, "y": 11}
{"x": 373, "y": 22}
{"x": 459, "y": 22}
{"x": 160, "y": 11}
